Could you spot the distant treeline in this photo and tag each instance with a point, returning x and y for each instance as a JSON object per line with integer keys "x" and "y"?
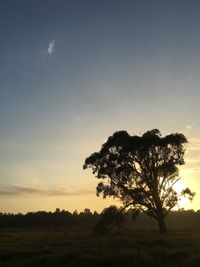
{"x": 61, "y": 218}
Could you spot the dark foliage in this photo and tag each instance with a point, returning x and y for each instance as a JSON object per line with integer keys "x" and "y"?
{"x": 42, "y": 219}
{"x": 141, "y": 171}
{"x": 48, "y": 219}
{"x": 111, "y": 217}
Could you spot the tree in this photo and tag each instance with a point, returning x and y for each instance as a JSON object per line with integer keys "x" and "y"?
{"x": 141, "y": 171}
{"x": 87, "y": 212}
{"x": 110, "y": 217}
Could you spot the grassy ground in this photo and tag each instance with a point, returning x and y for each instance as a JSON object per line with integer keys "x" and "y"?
{"x": 81, "y": 247}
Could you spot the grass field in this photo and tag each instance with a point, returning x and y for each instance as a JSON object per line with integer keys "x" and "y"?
{"x": 81, "y": 247}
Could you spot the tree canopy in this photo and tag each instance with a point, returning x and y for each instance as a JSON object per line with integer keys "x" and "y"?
{"x": 141, "y": 171}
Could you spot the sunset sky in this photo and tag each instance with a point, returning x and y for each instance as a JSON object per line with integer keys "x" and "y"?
{"x": 74, "y": 72}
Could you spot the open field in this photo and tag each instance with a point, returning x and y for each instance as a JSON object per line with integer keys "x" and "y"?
{"x": 81, "y": 247}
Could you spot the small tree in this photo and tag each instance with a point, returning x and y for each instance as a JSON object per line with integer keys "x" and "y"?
{"x": 141, "y": 171}
{"x": 110, "y": 218}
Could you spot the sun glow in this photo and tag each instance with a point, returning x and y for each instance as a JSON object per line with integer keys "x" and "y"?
{"x": 178, "y": 187}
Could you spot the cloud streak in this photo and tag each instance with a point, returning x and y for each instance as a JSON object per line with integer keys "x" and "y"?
{"x": 21, "y": 190}
{"x": 191, "y": 171}
{"x": 51, "y": 47}
{"x": 189, "y": 127}
{"x": 194, "y": 144}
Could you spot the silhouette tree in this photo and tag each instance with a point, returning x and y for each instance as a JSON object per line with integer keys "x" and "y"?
{"x": 110, "y": 217}
{"x": 141, "y": 171}
{"x": 87, "y": 211}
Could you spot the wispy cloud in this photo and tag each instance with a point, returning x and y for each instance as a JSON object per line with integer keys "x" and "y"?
{"x": 190, "y": 171}
{"x": 51, "y": 47}
{"x": 192, "y": 125}
{"x": 188, "y": 126}
{"x": 194, "y": 144}
{"x": 20, "y": 190}
{"x": 68, "y": 191}
{"x": 193, "y": 161}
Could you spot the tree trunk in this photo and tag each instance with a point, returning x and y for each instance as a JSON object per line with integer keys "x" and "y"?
{"x": 160, "y": 215}
{"x": 161, "y": 224}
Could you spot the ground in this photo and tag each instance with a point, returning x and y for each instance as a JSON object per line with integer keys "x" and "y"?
{"x": 81, "y": 247}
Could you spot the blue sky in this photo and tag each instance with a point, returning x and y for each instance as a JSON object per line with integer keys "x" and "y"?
{"x": 72, "y": 73}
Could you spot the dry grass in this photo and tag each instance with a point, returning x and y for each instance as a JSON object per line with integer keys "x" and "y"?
{"x": 81, "y": 247}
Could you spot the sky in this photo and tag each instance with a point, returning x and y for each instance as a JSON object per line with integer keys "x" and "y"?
{"x": 73, "y": 73}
